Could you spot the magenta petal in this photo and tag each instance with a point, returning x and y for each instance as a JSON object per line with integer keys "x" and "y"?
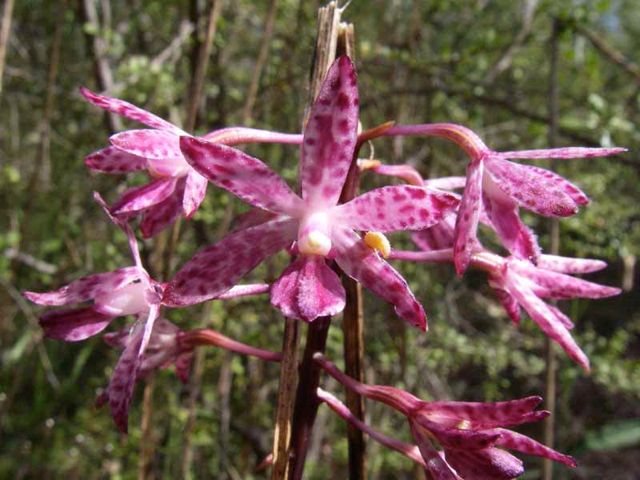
{"x": 536, "y": 189}
{"x": 482, "y": 415}
{"x": 556, "y": 285}
{"x": 152, "y": 144}
{"x": 399, "y": 207}
{"x": 253, "y": 217}
{"x": 563, "y": 153}
{"x": 123, "y": 380}
{"x": 330, "y": 136}
{"x": 485, "y": 464}
{"x": 217, "y": 268}
{"x": 468, "y": 217}
{"x": 456, "y": 437}
{"x": 435, "y": 464}
{"x": 438, "y": 237}
{"x": 145, "y": 196}
{"x": 509, "y": 304}
{"x": 128, "y": 110}
{"x": 561, "y": 317}
{"x": 446, "y": 183}
{"x": 73, "y": 325}
{"x": 86, "y": 288}
{"x": 546, "y": 320}
{"x": 521, "y": 443}
{"x": 364, "y": 265}
{"x": 112, "y": 160}
{"x": 241, "y": 174}
{"x": 308, "y": 289}
{"x": 514, "y": 235}
{"x": 159, "y": 216}
{"x": 194, "y": 192}
{"x": 570, "y": 265}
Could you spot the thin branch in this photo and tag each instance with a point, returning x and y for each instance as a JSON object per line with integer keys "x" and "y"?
{"x": 197, "y": 83}
{"x": 99, "y": 49}
{"x": 5, "y": 30}
{"x": 609, "y": 51}
{"x": 247, "y": 111}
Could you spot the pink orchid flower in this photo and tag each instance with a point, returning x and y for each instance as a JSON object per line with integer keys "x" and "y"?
{"x": 519, "y": 284}
{"x": 309, "y": 288}
{"x": 501, "y": 187}
{"x": 126, "y": 291}
{"x": 473, "y": 435}
{"x": 175, "y": 188}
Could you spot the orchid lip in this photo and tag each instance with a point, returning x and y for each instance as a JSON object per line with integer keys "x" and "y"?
{"x": 127, "y": 300}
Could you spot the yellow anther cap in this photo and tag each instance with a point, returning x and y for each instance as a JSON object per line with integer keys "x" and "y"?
{"x": 377, "y": 241}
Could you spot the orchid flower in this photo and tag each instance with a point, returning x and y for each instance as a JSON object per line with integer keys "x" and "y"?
{"x": 175, "y": 187}
{"x": 473, "y": 435}
{"x": 126, "y": 291}
{"x": 309, "y": 288}
{"x": 502, "y": 187}
{"x": 519, "y": 283}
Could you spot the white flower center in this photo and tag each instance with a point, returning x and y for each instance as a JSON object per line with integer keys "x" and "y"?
{"x": 314, "y": 236}
{"x": 128, "y": 300}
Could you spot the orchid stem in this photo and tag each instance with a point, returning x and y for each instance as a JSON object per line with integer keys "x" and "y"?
{"x": 286, "y": 398}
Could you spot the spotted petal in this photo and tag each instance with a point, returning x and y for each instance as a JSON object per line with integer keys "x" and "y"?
{"x": 242, "y": 175}
{"x": 308, "y": 289}
{"x": 437, "y": 237}
{"x": 521, "y": 443}
{"x": 536, "y": 189}
{"x": 75, "y": 324}
{"x": 399, "y": 207}
{"x": 570, "y": 265}
{"x": 435, "y": 464}
{"x": 485, "y": 464}
{"x": 546, "y": 319}
{"x": 330, "y": 136}
{"x": 86, "y": 288}
{"x": 217, "y": 268}
{"x": 140, "y": 198}
{"x": 516, "y": 237}
{"x": 563, "y": 153}
{"x": 364, "y": 265}
{"x": 112, "y": 160}
{"x": 128, "y": 110}
{"x": 194, "y": 191}
{"x": 159, "y": 216}
{"x": 468, "y": 217}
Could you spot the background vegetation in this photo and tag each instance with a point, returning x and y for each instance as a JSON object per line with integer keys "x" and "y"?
{"x": 481, "y": 63}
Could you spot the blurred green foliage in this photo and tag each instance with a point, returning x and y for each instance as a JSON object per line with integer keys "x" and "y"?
{"x": 418, "y": 61}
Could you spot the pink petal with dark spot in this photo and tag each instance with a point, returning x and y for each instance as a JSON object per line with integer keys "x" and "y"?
{"x": 73, "y": 325}
{"x": 194, "y": 193}
{"x": 112, "y": 160}
{"x": 483, "y": 415}
{"x": 435, "y": 464}
{"x": 159, "y": 216}
{"x": 330, "y": 136}
{"x": 365, "y": 265}
{"x": 308, "y": 289}
{"x": 509, "y": 304}
{"x": 468, "y": 217}
{"x": 128, "y": 110}
{"x": 563, "y": 153}
{"x": 570, "y": 265}
{"x": 145, "y": 196}
{"x": 150, "y": 144}
{"x": 86, "y": 288}
{"x": 485, "y": 464}
{"x": 123, "y": 380}
{"x": 217, "y": 268}
{"x": 551, "y": 284}
{"x": 400, "y": 207}
{"x": 536, "y": 189}
{"x": 242, "y": 175}
{"x": 521, "y": 443}
{"x": 437, "y": 237}
{"x": 452, "y": 437}
{"x": 253, "y": 217}
{"x": 514, "y": 235}
{"x": 546, "y": 319}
